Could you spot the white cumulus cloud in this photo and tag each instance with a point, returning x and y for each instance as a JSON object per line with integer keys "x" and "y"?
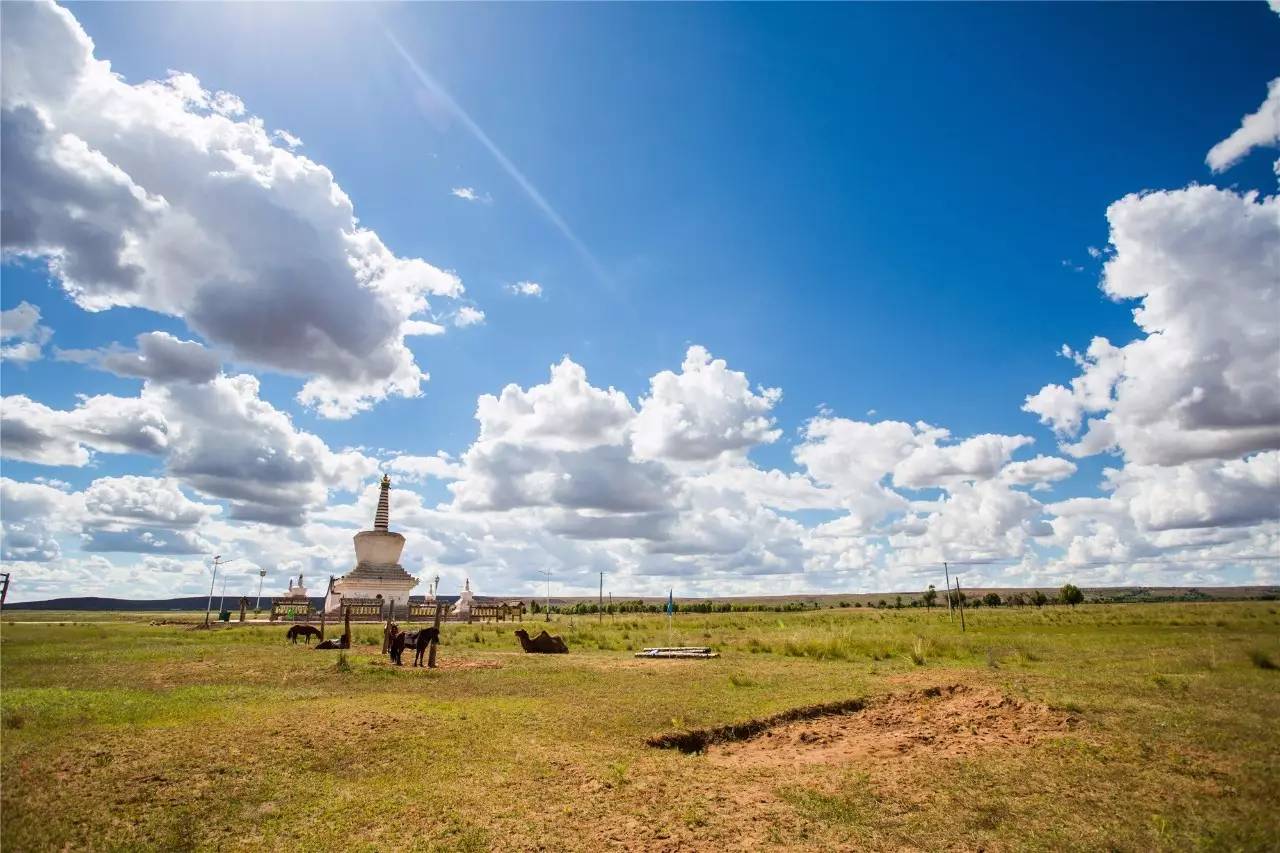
{"x": 1258, "y": 129}
{"x": 525, "y": 288}
{"x": 469, "y": 194}
{"x": 1204, "y": 265}
{"x": 162, "y": 195}
{"x": 22, "y": 338}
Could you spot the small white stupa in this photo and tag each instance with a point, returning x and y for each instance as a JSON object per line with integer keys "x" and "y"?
{"x": 298, "y": 591}
{"x": 378, "y": 573}
{"x": 462, "y": 609}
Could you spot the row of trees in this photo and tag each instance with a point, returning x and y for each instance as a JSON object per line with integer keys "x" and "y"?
{"x": 1069, "y": 594}
{"x": 583, "y": 608}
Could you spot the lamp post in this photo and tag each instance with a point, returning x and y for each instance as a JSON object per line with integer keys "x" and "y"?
{"x": 217, "y": 561}
{"x": 262, "y": 575}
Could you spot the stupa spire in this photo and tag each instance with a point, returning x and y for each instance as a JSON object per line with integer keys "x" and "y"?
{"x": 383, "y": 517}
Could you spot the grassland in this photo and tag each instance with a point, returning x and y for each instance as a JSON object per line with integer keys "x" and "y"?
{"x": 119, "y": 734}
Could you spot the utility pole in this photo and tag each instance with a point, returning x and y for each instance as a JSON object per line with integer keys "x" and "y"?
{"x": 212, "y": 581}
{"x": 217, "y": 561}
{"x": 257, "y": 604}
{"x": 325, "y": 605}
{"x": 431, "y": 656}
{"x": 960, "y": 601}
{"x": 946, "y": 573}
{"x": 600, "y": 607}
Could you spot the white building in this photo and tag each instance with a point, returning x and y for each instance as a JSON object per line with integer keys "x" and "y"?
{"x": 378, "y": 573}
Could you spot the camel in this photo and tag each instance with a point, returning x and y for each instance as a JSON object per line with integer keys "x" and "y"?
{"x": 308, "y": 631}
{"x": 543, "y": 644}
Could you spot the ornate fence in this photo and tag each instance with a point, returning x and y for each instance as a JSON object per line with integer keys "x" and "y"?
{"x": 363, "y": 608}
{"x": 291, "y": 609}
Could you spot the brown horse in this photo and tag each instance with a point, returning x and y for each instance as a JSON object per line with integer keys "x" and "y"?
{"x": 308, "y": 631}
{"x": 543, "y": 644}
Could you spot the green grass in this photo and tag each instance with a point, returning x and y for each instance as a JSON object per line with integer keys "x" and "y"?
{"x": 116, "y": 734}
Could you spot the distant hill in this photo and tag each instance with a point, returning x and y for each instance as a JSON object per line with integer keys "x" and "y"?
{"x": 92, "y": 602}
{"x": 197, "y": 602}
{"x": 1104, "y": 594}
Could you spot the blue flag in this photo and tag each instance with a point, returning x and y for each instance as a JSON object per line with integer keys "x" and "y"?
{"x": 671, "y": 602}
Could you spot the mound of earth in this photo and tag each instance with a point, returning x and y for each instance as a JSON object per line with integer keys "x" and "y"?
{"x": 945, "y": 721}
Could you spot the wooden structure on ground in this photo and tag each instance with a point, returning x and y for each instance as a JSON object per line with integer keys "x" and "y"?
{"x": 679, "y": 652}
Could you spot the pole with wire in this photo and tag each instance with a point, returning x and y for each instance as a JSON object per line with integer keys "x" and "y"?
{"x": 946, "y": 573}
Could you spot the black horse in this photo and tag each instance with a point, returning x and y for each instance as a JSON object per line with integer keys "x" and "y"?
{"x": 421, "y": 640}
{"x": 396, "y": 648}
{"x": 296, "y": 631}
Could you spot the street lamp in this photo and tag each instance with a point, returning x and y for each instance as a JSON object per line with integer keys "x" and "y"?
{"x": 217, "y": 561}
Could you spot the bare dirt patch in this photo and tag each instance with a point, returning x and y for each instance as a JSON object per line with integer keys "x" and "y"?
{"x": 699, "y": 739}
{"x": 953, "y": 721}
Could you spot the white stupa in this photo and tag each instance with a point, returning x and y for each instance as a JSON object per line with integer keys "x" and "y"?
{"x": 462, "y": 608}
{"x": 378, "y": 573}
{"x": 298, "y": 591}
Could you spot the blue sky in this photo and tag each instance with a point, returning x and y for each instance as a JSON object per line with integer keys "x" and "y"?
{"x": 886, "y": 211}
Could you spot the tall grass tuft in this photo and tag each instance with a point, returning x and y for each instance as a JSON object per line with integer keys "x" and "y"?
{"x": 917, "y": 651}
{"x": 342, "y": 664}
